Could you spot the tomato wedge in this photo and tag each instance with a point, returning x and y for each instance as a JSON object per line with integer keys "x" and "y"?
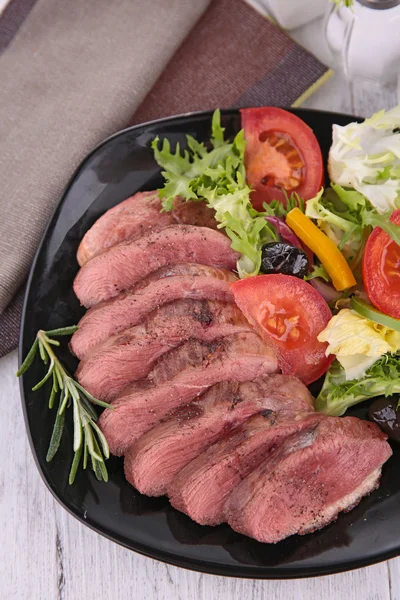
{"x": 282, "y": 153}
{"x": 289, "y": 313}
{"x": 381, "y": 270}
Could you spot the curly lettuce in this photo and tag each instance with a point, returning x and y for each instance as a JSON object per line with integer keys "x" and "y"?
{"x": 217, "y": 176}
{"x": 344, "y": 214}
{"x": 276, "y": 208}
{"x": 338, "y": 394}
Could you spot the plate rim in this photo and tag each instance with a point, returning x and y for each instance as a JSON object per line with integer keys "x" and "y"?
{"x": 239, "y": 571}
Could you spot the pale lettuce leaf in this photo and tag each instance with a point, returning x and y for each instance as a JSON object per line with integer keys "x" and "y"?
{"x": 366, "y": 156}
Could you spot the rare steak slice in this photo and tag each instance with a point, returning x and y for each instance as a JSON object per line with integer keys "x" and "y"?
{"x": 124, "y": 265}
{"x": 158, "y": 455}
{"x": 130, "y": 355}
{"x": 202, "y": 488}
{"x": 133, "y": 217}
{"x": 306, "y": 483}
{"x": 136, "y": 216}
{"x": 180, "y": 377}
{"x": 193, "y": 213}
{"x": 130, "y": 308}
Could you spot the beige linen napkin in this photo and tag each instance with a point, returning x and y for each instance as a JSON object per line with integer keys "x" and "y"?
{"x": 72, "y": 75}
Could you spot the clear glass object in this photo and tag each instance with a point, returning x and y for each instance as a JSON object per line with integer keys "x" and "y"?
{"x": 365, "y": 39}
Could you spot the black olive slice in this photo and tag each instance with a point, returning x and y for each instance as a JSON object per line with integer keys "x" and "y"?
{"x": 385, "y": 413}
{"x": 279, "y": 257}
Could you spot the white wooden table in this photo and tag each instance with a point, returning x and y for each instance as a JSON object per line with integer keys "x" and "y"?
{"x": 46, "y": 554}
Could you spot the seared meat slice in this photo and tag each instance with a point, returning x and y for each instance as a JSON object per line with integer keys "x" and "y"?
{"x": 178, "y": 378}
{"x": 194, "y": 213}
{"x": 122, "y": 266}
{"x": 134, "y": 216}
{"x": 201, "y": 489}
{"x": 130, "y": 355}
{"x": 188, "y": 280}
{"x": 158, "y": 455}
{"x": 308, "y": 481}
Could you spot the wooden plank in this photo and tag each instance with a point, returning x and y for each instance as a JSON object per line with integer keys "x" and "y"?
{"x": 361, "y": 98}
{"x": 394, "y": 578}
{"x": 335, "y": 96}
{"x": 28, "y": 554}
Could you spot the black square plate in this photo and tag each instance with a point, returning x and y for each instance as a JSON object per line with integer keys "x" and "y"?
{"x": 116, "y": 169}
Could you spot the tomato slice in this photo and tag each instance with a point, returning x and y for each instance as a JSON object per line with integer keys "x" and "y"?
{"x": 381, "y": 270}
{"x": 282, "y": 153}
{"x": 289, "y": 313}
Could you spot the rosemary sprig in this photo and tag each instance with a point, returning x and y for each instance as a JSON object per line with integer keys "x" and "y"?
{"x": 88, "y": 437}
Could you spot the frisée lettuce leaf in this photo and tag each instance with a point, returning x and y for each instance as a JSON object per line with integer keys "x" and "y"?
{"x": 338, "y": 394}
{"x": 276, "y": 208}
{"x": 343, "y": 214}
{"x": 199, "y": 168}
{"x": 317, "y": 271}
{"x": 217, "y": 175}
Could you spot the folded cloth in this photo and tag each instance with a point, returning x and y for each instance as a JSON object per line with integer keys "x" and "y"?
{"x": 234, "y": 57}
{"x": 72, "y": 75}
{"x": 9, "y": 323}
{"x": 76, "y": 72}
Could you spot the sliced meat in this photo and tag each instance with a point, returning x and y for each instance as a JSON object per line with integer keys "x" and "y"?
{"x": 202, "y": 488}
{"x": 194, "y": 213}
{"x": 130, "y": 355}
{"x": 130, "y": 308}
{"x": 178, "y": 378}
{"x": 134, "y": 216}
{"x": 308, "y": 481}
{"x": 122, "y": 266}
{"x": 158, "y": 455}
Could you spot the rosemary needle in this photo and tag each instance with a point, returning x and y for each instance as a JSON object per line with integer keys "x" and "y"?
{"x": 88, "y": 437}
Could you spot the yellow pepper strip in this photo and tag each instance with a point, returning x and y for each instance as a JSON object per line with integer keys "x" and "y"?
{"x": 327, "y": 252}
